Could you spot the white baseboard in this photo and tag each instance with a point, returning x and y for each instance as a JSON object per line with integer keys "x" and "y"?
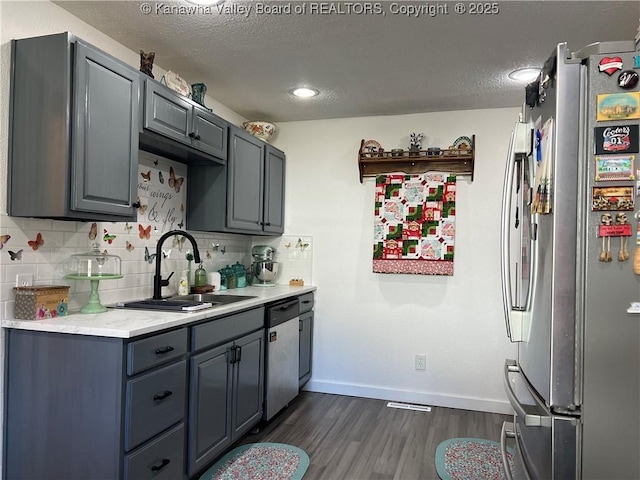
{"x": 420, "y": 398}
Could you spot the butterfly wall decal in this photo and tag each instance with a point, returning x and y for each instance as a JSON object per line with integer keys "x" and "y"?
{"x": 146, "y": 176}
{"x": 174, "y": 182}
{"x": 160, "y": 177}
{"x": 129, "y": 246}
{"x": 302, "y": 246}
{"x": 93, "y": 231}
{"x": 166, "y": 254}
{"x": 37, "y": 243}
{"x": 108, "y": 238}
{"x": 208, "y": 254}
{"x": 15, "y": 255}
{"x": 181, "y": 224}
{"x": 144, "y": 233}
{"x": 3, "y": 240}
{"x": 142, "y": 208}
{"x": 155, "y": 162}
{"x": 128, "y": 227}
{"x": 178, "y": 241}
{"x": 149, "y": 257}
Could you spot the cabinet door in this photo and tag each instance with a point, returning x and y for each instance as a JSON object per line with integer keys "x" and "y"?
{"x": 306, "y": 346}
{"x": 166, "y": 113}
{"x": 209, "y": 133}
{"x": 248, "y": 384}
{"x": 245, "y": 189}
{"x": 209, "y": 402}
{"x": 105, "y": 136}
{"x": 274, "y": 190}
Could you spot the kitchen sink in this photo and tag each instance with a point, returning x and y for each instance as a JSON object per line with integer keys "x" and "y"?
{"x": 172, "y": 305}
{"x": 213, "y": 298}
{"x": 185, "y": 303}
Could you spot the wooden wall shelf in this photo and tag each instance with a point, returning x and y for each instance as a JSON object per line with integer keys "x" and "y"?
{"x": 450, "y": 160}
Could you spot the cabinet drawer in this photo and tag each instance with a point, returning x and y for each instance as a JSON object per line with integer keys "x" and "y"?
{"x": 224, "y": 329}
{"x": 306, "y": 302}
{"x": 154, "y": 402}
{"x": 161, "y": 459}
{"x": 152, "y": 351}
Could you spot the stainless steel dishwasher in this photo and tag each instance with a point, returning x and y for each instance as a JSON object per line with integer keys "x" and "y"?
{"x": 281, "y": 385}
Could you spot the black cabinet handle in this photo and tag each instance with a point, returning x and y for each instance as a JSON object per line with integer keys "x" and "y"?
{"x": 163, "y": 395}
{"x": 300, "y": 327}
{"x": 167, "y": 349}
{"x": 268, "y": 224}
{"x": 306, "y": 301}
{"x": 163, "y": 463}
{"x": 192, "y": 134}
{"x": 232, "y": 352}
{"x": 239, "y": 357}
{"x": 197, "y": 137}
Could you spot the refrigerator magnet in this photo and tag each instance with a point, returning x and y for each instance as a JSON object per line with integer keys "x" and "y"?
{"x": 616, "y": 139}
{"x": 606, "y": 199}
{"x": 628, "y": 79}
{"x": 610, "y": 65}
{"x": 614, "y": 167}
{"x": 618, "y": 106}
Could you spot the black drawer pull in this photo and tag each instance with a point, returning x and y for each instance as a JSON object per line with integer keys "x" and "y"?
{"x": 162, "y": 396}
{"x": 163, "y": 463}
{"x": 167, "y": 349}
{"x": 306, "y": 301}
{"x": 239, "y": 354}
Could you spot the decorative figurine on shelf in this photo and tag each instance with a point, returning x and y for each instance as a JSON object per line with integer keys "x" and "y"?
{"x": 146, "y": 62}
{"x": 415, "y": 145}
{"x": 198, "y": 90}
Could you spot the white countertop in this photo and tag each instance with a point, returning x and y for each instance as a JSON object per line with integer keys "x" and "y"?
{"x": 128, "y": 323}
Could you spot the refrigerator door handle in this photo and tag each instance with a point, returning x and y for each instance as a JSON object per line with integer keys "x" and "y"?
{"x": 530, "y": 420}
{"x": 505, "y": 241}
{"x": 507, "y": 432}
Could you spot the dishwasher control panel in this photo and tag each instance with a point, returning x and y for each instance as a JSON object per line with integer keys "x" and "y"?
{"x": 281, "y": 312}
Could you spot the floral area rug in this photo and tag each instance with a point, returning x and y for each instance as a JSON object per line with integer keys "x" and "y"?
{"x": 260, "y": 461}
{"x": 470, "y": 459}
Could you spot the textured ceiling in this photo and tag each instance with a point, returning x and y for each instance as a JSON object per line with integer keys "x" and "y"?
{"x": 364, "y": 64}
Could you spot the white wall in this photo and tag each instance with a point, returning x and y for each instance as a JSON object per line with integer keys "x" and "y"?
{"x": 369, "y": 326}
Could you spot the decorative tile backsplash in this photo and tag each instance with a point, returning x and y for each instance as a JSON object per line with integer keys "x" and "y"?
{"x": 34, "y": 250}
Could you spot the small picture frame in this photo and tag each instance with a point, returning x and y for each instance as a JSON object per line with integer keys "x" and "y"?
{"x": 618, "y": 106}
{"x": 614, "y": 167}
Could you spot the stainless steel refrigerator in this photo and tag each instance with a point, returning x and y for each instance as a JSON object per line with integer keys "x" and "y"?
{"x": 570, "y": 186}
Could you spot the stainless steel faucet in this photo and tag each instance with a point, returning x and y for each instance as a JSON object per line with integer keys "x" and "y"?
{"x": 158, "y": 282}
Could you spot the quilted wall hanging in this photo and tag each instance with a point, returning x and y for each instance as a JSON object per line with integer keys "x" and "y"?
{"x": 414, "y": 226}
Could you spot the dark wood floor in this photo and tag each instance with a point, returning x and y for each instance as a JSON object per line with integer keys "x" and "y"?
{"x": 350, "y": 438}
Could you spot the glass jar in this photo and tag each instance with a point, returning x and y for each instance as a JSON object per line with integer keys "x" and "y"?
{"x": 223, "y": 279}
{"x": 241, "y": 275}
{"x": 200, "y": 276}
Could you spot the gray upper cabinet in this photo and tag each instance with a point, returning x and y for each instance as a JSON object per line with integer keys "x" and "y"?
{"x": 246, "y": 196}
{"x": 73, "y": 149}
{"x": 196, "y": 135}
{"x": 245, "y": 189}
{"x": 274, "y": 175}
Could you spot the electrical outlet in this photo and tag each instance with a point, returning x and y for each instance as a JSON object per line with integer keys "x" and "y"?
{"x": 421, "y": 361}
{"x": 24, "y": 279}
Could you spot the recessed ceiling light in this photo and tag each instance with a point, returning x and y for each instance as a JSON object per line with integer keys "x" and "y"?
{"x": 305, "y": 92}
{"x": 524, "y": 74}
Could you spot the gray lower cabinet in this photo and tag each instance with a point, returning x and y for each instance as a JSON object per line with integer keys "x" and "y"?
{"x": 245, "y": 196}
{"x": 72, "y": 411}
{"x": 169, "y": 115}
{"x": 160, "y": 407}
{"x": 306, "y": 337}
{"x": 73, "y": 131}
{"x": 226, "y": 385}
